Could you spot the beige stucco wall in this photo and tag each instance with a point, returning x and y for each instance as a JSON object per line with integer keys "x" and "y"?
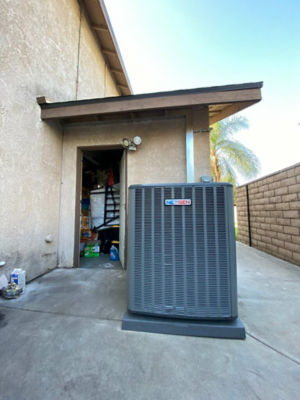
{"x": 200, "y": 118}
{"x": 39, "y": 56}
{"x": 161, "y": 158}
{"x": 94, "y": 78}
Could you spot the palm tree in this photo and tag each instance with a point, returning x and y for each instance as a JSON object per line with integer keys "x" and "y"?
{"x": 229, "y": 156}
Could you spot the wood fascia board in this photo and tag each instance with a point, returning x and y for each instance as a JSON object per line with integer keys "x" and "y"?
{"x": 116, "y": 70}
{"x": 121, "y": 86}
{"x": 103, "y": 28}
{"x": 230, "y": 110}
{"x": 118, "y": 57}
{"x": 112, "y": 50}
{"x": 150, "y": 103}
{"x": 109, "y": 52}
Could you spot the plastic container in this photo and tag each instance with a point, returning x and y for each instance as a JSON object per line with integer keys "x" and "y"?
{"x": 18, "y": 276}
{"x": 114, "y": 254}
{"x": 92, "y": 249}
{"x": 97, "y": 198}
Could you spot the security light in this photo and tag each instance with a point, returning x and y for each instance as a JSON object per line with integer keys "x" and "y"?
{"x": 137, "y": 140}
{"x": 125, "y": 142}
{"x": 131, "y": 144}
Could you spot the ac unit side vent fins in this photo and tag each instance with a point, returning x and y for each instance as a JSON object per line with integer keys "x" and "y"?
{"x": 181, "y": 258}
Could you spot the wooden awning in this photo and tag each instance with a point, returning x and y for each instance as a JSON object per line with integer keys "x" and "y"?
{"x": 222, "y": 101}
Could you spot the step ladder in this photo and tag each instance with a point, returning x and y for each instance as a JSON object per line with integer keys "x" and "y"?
{"x": 111, "y": 207}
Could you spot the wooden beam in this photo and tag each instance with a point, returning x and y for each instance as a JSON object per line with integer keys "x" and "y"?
{"x": 116, "y": 71}
{"x": 41, "y": 100}
{"x": 138, "y": 103}
{"x": 228, "y": 110}
{"x": 100, "y": 28}
{"x": 121, "y": 86}
{"x": 109, "y": 52}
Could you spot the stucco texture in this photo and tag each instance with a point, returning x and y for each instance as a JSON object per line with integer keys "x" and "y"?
{"x": 160, "y": 158}
{"x": 201, "y": 143}
{"x": 44, "y": 47}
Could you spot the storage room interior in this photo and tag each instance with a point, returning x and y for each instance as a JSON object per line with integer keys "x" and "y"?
{"x": 100, "y": 208}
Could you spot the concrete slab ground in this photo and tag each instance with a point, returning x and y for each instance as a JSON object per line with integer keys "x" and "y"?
{"x": 103, "y": 261}
{"x": 63, "y": 340}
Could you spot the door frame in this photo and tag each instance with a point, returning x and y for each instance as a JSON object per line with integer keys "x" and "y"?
{"x": 79, "y": 156}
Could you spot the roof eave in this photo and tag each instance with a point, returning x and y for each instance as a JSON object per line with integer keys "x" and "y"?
{"x": 222, "y": 101}
{"x": 100, "y": 23}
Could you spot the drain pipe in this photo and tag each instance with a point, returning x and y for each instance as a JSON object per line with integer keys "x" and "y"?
{"x": 249, "y": 217}
{"x": 189, "y": 149}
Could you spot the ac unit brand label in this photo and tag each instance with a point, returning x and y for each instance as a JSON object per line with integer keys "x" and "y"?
{"x": 178, "y": 202}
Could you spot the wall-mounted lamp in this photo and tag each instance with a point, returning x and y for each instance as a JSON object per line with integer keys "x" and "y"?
{"x": 131, "y": 144}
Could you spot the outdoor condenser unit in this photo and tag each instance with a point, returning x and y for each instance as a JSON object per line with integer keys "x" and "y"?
{"x": 181, "y": 251}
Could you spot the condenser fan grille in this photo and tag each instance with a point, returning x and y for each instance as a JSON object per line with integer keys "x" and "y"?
{"x": 180, "y": 258}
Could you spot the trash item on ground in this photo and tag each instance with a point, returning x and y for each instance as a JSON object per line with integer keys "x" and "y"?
{"x": 18, "y": 276}
{"x": 114, "y": 253}
{"x": 3, "y": 281}
{"x": 92, "y": 249}
{"x": 108, "y": 265}
{"x": 11, "y": 291}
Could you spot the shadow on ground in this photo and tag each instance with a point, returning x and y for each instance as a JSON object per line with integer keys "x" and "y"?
{"x": 63, "y": 340}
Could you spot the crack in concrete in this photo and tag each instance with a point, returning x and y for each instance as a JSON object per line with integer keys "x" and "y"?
{"x": 119, "y": 320}
{"x": 60, "y": 314}
{"x": 273, "y": 348}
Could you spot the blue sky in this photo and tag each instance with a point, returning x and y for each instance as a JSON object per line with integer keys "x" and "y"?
{"x": 180, "y": 44}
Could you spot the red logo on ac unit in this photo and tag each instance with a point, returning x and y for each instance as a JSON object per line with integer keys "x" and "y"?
{"x": 178, "y": 202}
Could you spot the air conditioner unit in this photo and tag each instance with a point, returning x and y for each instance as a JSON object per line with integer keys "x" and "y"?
{"x": 181, "y": 251}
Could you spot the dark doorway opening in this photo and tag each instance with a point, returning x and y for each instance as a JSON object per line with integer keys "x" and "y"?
{"x": 102, "y": 209}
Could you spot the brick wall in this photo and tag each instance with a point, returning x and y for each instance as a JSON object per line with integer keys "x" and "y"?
{"x": 272, "y": 212}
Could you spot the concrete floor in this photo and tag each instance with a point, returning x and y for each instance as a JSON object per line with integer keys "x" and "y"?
{"x": 103, "y": 261}
{"x": 63, "y": 340}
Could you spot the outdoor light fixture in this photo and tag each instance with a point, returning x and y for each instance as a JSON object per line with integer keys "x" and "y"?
{"x": 137, "y": 140}
{"x": 125, "y": 142}
{"x": 131, "y": 144}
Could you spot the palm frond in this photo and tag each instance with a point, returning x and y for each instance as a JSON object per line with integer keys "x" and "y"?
{"x": 228, "y": 172}
{"x": 232, "y": 125}
{"x": 240, "y": 157}
{"x": 228, "y": 156}
{"x": 215, "y": 134}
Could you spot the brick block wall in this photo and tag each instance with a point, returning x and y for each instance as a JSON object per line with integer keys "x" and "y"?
{"x": 272, "y": 211}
